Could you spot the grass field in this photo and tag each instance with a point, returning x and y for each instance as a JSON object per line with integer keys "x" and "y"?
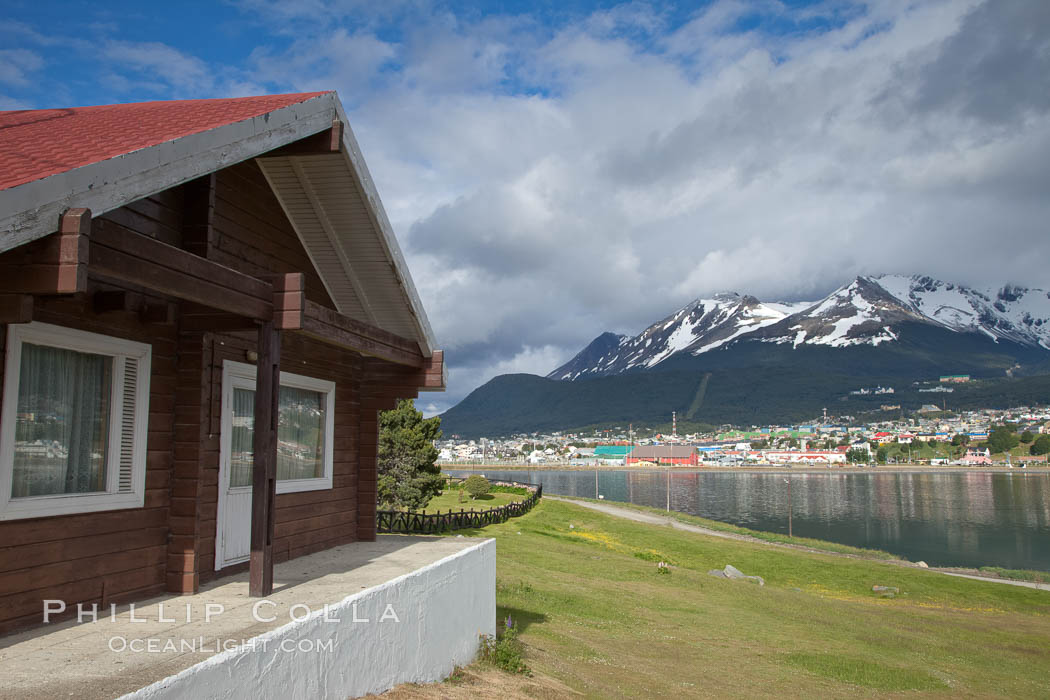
{"x": 450, "y": 500}
{"x": 597, "y": 617}
{"x": 776, "y": 537}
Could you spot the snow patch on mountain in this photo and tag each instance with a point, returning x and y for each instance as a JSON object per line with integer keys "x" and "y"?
{"x": 1010, "y": 312}
{"x": 789, "y": 308}
{"x": 867, "y": 311}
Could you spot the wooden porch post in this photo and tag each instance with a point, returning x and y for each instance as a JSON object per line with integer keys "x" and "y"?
{"x": 264, "y": 465}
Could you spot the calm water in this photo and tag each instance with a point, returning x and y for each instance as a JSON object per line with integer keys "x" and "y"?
{"x": 954, "y": 519}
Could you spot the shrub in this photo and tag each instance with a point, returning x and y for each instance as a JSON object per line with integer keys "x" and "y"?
{"x": 857, "y": 456}
{"x": 1002, "y": 439}
{"x": 1018, "y": 574}
{"x": 1040, "y": 446}
{"x": 517, "y": 490}
{"x": 505, "y": 651}
{"x": 653, "y": 556}
{"x": 477, "y": 485}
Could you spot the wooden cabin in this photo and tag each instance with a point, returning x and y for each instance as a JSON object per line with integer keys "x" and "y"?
{"x": 203, "y": 308}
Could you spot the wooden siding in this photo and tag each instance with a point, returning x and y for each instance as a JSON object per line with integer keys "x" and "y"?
{"x": 307, "y": 521}
{"x": 159, "y": 216}
{"x": 251, "y": 233}
{"x": 105, "y": 557}
{"x": 233, "y": 219}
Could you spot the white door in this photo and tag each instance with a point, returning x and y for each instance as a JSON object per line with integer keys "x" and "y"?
{"x": 234, "y": 512}
{"x": 304, "y": 450}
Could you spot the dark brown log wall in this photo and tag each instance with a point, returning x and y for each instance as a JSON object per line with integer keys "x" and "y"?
{"x": 105, "y": 557}
{"x": 234, "y": 219}
{"x": 251, "y": 234}
{"x": 308, "y": 521}
{"x": 246, "y": 230}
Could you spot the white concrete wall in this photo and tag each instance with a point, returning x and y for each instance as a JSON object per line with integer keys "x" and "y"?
{"x": 443, "y": 609}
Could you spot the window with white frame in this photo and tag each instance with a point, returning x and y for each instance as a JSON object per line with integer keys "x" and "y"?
{"x": 73, "y": 425}
{"x": 305, "y": 426}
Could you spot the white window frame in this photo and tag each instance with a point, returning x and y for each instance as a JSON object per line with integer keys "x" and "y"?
{"x": 120, "y": 350}
{"x": 242, "y": 376}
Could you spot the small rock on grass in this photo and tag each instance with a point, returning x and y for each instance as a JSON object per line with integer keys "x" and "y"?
{"x": 734, "y": 573}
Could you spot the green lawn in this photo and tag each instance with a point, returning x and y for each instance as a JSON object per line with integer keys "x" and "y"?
{"x": 595, "y": 615}
{"x": 450, "y": 500}
{"x": 778, "y": 537}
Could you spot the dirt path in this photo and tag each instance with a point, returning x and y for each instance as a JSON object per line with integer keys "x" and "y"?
{"x": 652, "y": 519}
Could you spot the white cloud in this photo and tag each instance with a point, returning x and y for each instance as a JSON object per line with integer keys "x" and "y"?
{"x": 550, "y": 182}
{"x": 528, "y": 360}
{"x": 162, "y": 64}
{"x": 18, "y": 65}
{"x": 641, "y": 176}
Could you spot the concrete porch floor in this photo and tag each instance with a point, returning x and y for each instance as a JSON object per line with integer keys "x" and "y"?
{"x": 98, "y": 659}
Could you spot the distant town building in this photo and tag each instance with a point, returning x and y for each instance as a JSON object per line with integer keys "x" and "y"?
{"x": 664, "y": 454}
{"x": 806, "y": 457}
{"x": 861, "y": 445}
{"x": 977, "y": 455}
{"x": 611, "y": 451}
{"x": 955, "y": 379}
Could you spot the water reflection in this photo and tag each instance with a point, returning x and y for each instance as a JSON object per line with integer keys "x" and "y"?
{"x": 945, "y": 519}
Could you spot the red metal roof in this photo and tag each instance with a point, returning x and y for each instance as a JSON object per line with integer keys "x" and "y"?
{"x": 35, "y": 144}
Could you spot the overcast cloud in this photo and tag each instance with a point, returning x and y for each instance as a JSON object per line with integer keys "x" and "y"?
{"x": 551, "y": 178}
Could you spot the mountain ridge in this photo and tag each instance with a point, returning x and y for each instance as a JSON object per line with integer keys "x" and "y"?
{"x": 864, "y": 312}
{"x": 732, "y": 358}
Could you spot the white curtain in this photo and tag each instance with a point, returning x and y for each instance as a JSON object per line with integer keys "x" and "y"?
{"x": 300, "y": 435}
{"x": 62, "y": 422}
{"x": 241, "y": 449}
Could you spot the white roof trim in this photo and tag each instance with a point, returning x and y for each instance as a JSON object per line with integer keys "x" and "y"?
{"x": 386, "y": 233}
{"x": 333, "y": 239}
{"x": 32, "y": 210}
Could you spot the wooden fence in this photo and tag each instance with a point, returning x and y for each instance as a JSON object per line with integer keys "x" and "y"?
{"x": 430, "y": 523}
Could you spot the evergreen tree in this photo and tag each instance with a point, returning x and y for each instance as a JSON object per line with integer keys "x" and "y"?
{"x": 1027, "y": 437}
{"x": 408, "y": 477}
{"x": 1002, "y": 439}
{"x": 857, "y": 456}
{"x": 1041, "y": 446}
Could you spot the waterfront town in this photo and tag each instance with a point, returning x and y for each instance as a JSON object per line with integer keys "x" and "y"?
{"x": 427, "y": 350}
{"x": 924, "y": 438}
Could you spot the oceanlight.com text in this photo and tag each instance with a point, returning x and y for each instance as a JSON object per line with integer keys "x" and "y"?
{"x": 152, "y": 645}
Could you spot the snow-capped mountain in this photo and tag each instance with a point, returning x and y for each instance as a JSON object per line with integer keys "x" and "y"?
{"x": 1012, "y": 313}
{"x": 700, "y": 326}
{"x": 869, "y": 311}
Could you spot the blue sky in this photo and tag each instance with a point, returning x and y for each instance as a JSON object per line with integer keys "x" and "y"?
{"x": 76, "y": 53}
{"x": 554, "y": 170}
